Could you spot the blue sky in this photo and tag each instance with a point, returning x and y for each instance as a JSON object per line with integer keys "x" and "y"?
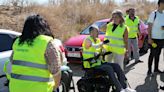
{"x": 46, "y": 1}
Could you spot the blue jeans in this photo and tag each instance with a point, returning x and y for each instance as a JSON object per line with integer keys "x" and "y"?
{"x": 111, "y": 69}
{"x": 133, "y": 43}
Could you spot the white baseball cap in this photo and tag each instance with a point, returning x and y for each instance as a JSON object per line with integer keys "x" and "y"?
{"x": 94, "y": 26}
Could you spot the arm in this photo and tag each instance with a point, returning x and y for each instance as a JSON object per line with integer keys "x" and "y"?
{"x": 150, "y": 25}
{"x": 139, "y": 31}
{"x": 126, "y": 42}
{"x": 87, "y": 43}
{"x": 150, "y": 41}
{"x": 53, "y": 59}
{"x": 139, "y": 35}
{"x": 126, "y": 38}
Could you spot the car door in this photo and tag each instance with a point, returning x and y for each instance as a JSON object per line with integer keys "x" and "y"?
{"x": 6, "y": 41}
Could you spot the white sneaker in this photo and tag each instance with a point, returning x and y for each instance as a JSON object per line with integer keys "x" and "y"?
{"x": 123, "y": 90}
{"x": 130, "y": 90}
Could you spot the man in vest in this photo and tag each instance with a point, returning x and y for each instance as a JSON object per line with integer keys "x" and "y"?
{"x": 132, "y": 22}
{"x": 92, "y": 47}
{"x": 35, "y": 58}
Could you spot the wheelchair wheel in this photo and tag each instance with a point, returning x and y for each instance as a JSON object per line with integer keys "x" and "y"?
{"x": 62, "y": 87}
{"x": 82, "y": 88}
{"x": 83, "y": 85}
{"x": 66, "y": 81}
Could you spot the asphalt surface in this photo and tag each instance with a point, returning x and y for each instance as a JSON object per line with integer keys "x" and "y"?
{"x": 136, "y": 74}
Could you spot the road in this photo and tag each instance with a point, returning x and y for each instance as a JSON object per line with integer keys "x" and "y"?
{"x": 136, "y": 74}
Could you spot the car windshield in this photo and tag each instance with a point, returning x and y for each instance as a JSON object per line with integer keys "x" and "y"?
{"x": 101, "y": 25}
{"x": 6, "y": 42}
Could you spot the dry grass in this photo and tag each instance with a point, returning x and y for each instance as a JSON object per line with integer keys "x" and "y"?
{"x": 68, "y": 19}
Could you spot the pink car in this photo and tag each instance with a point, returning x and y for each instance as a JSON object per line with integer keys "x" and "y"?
{"x": 73, "y": 45}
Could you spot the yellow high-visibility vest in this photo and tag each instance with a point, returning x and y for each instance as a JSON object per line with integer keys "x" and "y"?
{"x": 132, "y": 26}
{"x": 89, "y": 53}
{"x": 29, "y": 68}
{"x": 116, "y": 39}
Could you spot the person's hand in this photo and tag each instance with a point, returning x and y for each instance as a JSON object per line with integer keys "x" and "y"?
{"x": 57, "y": 79}
{"x": 106, "y": 41}
{"x": 96, "y": 55}
{"x": 150, "y": 41}
{"x": 103, "y": 51}
{"x": 162, "y": 27}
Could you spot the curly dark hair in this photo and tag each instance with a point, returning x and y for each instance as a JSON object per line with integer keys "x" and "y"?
{"x": 34, "y": 26}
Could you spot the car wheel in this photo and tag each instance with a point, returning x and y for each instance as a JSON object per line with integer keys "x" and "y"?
{"x": 145, "y": 46}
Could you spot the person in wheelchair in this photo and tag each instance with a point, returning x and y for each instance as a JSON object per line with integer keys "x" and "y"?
{"x": 92, "y": 48}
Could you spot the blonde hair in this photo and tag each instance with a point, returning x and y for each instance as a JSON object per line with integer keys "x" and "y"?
{"x": 120, "y": 14}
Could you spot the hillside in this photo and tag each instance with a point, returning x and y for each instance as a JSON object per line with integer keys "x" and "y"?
{"x": 68, "y": 17}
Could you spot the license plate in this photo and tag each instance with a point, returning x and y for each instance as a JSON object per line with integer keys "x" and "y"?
{"x": 74, "y": 55}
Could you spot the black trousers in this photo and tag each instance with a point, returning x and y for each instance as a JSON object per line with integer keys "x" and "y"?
{"x": 155, "y": 54}
{"x": 111, "y": 69}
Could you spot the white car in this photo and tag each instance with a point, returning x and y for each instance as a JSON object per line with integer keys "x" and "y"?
{"x": 7, "y": 38}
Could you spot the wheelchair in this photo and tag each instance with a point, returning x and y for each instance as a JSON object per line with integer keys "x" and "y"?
{"x": 67, "y": 82}
{"x": 95, "y": 80}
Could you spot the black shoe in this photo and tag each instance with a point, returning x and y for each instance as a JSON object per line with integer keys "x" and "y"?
{"x": 162, "y": 87}
{"x": 149, "y": 72}
{"x": 139, "y": 61}
{"x": 127, "y": 61}
{"x": 158, "y": 71}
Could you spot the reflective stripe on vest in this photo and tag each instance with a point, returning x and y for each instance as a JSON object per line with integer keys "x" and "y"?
{"x": 132, "y": 26}
{"x": 30, "y": 64}
{"x": 115, "y": 38}
{"x": 30, "y": 78}
{"x": 116, "y": 45}
{"x": 87, "y": 52}
{"x": 96, "y": 47}
{"x": 134, "y": 31}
